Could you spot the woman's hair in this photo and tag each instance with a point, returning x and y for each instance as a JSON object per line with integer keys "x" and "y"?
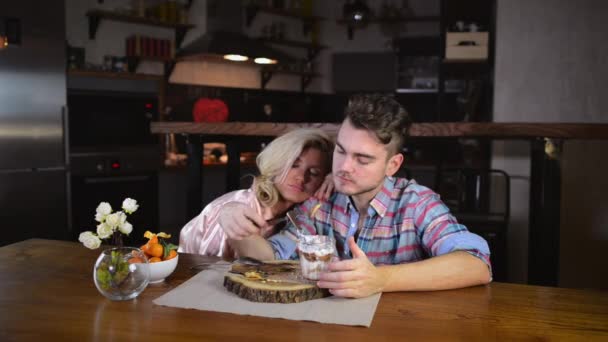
{"x": 275, "y": 161}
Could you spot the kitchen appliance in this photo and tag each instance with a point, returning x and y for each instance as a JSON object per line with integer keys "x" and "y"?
{"x": 107, "y": 119}
{"x": 113, "y": 155}
{"x": 33, "y": 151}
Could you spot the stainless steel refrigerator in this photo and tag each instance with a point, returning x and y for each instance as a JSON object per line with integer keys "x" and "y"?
{"x": 33, "y": 147}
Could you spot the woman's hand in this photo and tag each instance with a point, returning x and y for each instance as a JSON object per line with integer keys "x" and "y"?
{"x": 326, "y": 189}
{"x": 240, "y": 221}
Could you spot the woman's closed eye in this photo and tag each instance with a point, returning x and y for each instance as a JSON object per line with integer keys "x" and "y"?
{"x": 314, "y": 172}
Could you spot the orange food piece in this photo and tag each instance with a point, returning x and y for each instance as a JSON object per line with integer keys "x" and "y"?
{"x": 154, "y": 259}
{"x": 163, "y": 235}
{"x": 155, "y": 249}
{"x": 152, "y": 238}
{"x": 144, "y": 248}
{"x": 172, "y": 254}
{"x": 135, "y": 260}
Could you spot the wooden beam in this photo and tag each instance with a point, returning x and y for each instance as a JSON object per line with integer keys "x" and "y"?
{"x": 236, "y": 128}
{"x": 423, "y": 130}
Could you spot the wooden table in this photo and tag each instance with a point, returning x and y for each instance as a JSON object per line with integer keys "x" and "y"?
{"x": 47, "y": 293}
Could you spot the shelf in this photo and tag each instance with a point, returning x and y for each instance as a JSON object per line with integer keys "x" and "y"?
{"x": 415, "y": 90}
{"x": 419, "y": 19}
{"x": 522, "y": 130}
{"x": 95, "y": 17}
{"x": 285, "y": 13}
{"x": 168, "y": 62}
{"x": 313, "y": 49}
{"x": 428, "y": 18}
{"x": 465, "y": 61}
{"x": 307, "y": 20}
{"x": 422, "y": 90}
{"x": 305, "y": 77}
{"x": 114, "y": 75}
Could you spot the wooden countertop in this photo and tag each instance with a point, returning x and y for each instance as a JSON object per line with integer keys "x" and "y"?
{"x": 47, "y": 293}
{"x": 445, "y": 129}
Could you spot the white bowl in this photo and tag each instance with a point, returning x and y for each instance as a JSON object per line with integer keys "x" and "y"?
{"x": 162, "y": 269}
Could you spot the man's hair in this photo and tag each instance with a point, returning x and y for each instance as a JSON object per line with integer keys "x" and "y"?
{"x": 382, "y": 115}
{"x": 275, "y": 161}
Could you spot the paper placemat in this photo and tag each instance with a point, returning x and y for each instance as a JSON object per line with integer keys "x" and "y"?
{"x": 205, "y": 291}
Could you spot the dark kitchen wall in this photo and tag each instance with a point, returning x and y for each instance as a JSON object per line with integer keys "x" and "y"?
{"x": 248, "y": 105}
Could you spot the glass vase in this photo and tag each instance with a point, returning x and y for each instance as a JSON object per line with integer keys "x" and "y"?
{"x": 121, "y": 273}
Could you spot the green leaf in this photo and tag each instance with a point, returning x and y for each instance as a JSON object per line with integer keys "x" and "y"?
{"x": 121, "y": 275}
{"x": 115, "y": 258}
{"x": 103, "y": 278}
{"x": 167, "y": 247}
{"x": 112, "y": 275}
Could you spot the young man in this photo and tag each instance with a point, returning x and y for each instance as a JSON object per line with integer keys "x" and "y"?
{"x": 391, "y": 233}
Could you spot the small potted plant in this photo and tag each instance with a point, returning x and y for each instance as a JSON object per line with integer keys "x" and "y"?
{"x": 120, "y": 273}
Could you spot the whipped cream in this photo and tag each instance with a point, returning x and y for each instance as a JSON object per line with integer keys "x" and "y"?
{"x": 317, "y": 244}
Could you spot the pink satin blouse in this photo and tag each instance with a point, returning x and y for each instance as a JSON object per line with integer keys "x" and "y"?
{"x": 204, "y": 235}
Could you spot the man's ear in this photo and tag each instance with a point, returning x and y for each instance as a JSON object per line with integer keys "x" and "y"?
{"x": 394, "y": 163}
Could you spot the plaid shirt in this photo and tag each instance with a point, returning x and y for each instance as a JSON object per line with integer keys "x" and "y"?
{"x": 405, "y": 222}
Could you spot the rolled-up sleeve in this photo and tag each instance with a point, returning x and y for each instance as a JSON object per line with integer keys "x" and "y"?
{"x": 283, "y": 245}
{"x": 441, "y": 233}
{"x": 468, "y": 242}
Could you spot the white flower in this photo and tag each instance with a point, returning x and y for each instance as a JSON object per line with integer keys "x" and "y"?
{"x": 122, "y": 218}
{"x": 126, "y": 228}
{"x": 114, "y": 220}
{"x": 99, "y": 217}
{"x": 109, "y": 223}
{"x": 89, "y": 240}
{"x": 104, "y": 231}
{"x": 129, "y": 205}
{"x": 104, "y": 208}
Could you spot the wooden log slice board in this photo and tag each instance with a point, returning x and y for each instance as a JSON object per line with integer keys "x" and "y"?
{"x": 272, "y": 282}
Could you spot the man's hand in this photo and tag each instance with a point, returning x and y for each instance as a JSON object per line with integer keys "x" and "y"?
{"x": 240, "y": 221}
{"x": 355, "y": 278}
{"x": 326, "y": 189}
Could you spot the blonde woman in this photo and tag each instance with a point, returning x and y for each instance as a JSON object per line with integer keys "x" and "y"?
{"x": 291, "y": 169}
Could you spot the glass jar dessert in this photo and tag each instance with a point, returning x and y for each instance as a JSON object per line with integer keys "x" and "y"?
{"x": 316, "y": 252}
